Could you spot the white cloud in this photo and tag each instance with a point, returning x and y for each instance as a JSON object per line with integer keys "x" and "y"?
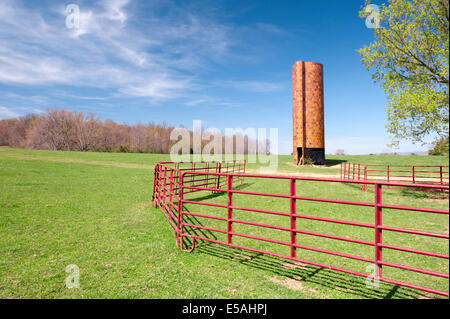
{"x": 158, "y": 88}
{"x": 7, "y": 113}
{"x": 161, "y": 55}
{"x": 107, "y": 51}
{"x": 210, "y": 101}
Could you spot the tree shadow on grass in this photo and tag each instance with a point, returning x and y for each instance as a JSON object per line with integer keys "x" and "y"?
{"x": 319, "y": 276}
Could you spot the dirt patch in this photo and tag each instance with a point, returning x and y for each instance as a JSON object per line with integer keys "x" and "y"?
{"x": 232, "y": 291}
{"x": 292, "y": 283}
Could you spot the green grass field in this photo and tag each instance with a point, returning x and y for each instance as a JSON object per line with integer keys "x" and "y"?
{"x": 94, "y": 210}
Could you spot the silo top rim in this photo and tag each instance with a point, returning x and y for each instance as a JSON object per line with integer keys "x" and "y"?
{"x": 308, "y": 62}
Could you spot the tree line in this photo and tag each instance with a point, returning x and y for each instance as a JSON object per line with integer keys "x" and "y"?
{"x": 64, "y": 130}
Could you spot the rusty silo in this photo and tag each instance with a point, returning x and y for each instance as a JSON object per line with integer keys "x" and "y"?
{"x": 308, "y": 115}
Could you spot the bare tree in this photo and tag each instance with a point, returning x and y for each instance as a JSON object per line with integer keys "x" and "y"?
{"x": 87, "y": 131}
{"x": 66, "y": 130}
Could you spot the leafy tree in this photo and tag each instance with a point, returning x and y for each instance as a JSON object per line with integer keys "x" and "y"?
{"x": 410, "y": 58}
{"x": 440, "y": 147}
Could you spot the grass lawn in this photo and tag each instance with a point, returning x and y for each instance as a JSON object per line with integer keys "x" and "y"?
{"x": 94, "y": 210}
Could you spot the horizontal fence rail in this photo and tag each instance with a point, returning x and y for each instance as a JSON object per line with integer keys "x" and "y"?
{"x": 411, "y": 174}
{"x": 173, "y": 205}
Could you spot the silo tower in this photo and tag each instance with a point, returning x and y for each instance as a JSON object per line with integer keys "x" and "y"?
{"x": 308, "y": 114}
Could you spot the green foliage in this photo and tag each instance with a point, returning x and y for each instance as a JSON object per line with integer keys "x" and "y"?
{"x": 410, "y": 58}
{"x": 308, "y": 161}
{"x": 440, "y": 147}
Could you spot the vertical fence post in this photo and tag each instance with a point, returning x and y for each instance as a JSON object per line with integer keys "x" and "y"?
{"x": 387, "y": 173}
{"x": 353, "y": 177}
{"x": 341, "y": 169}
{"x": 293, "y": 220}
{"x": 440, "y": 174}
{"x": 155, "y": 179}
{"x": 218, "y": 176}
{"x": 365, "y": 177}
{"x": 239, "y": 172}
{"x": 229, "y": 209}
{"x": 170, "y": 194}
{"x": 414, "y": 176}
{"x": 159, "y": 185}
{"x": 164, "y": 187}
{"x": 378, "y": 231}
{"x": 179, "y": 232}
{"x": 207, "y": 175}
{"x": 359, "y": 172}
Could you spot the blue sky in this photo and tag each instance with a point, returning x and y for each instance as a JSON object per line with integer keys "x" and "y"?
{"x": 227, "y": 63}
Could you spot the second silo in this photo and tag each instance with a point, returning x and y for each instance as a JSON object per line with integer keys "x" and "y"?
{"x": 308, "y": 113}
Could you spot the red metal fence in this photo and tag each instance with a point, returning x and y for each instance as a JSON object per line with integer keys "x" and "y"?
{"x": 167, "y": 189}
{"x": 172, "y": 203}
{"x": 413, "y": 174}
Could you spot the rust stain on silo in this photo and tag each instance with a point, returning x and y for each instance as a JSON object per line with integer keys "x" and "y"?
{"x": 308, "y": 112}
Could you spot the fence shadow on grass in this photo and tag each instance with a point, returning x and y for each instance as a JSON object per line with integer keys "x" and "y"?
{"x": 189, "y": 219}
{"x": 319, "y": 276}
{"x": 212, "y": 195}
{"x": 418, "y": 193}
{"x": 424, "y": 194}
{"x": 322, "y": 277}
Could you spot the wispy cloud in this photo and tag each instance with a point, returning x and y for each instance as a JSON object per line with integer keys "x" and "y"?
{"x": 106, "y": 51}
{"x": 7, "y": 113}
{"x": 210, "y": 101}
{"x": 158, "y": 50}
